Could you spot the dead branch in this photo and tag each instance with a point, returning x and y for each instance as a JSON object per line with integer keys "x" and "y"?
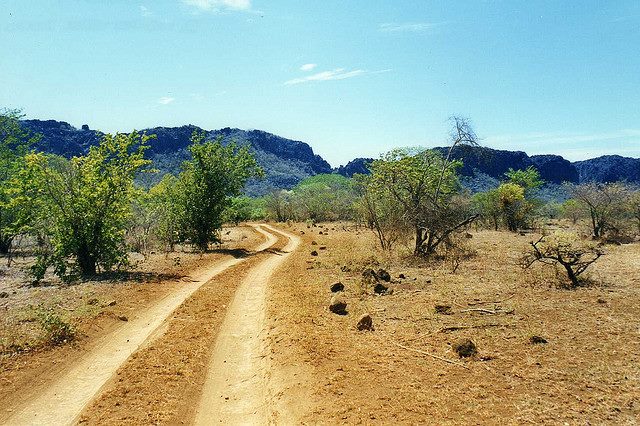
{"x": 431, "y": 355}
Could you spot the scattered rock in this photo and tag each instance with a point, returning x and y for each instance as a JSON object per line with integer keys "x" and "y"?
{"x": 337, "y": 287}
{"x": 92, "y": 301}
{"x": 110, "y": 303}
{"x": 383, "y": 275}
{"x": 345, "y": 268}
{"x": 123, "y": 318}
{"x": 369, "y": 275}
{"x": 320, "y": 233}
{"x": 301, "y": 232}
{"x": 522, "y": 234}
{"x": 4, "y": 295}
{"x": 443, "y": 309}
{"x": 338, "y": 305}
{"x": 601, "y": 301}
{"x": 380, "y": 288}
{"x": 465, "y": 348}
{"x": 323, "y": 247}
{"x": 365, "y": 323}
{"x": 313, "y": 243}
{"x": 536, "y": 340}
{"x": 314, "y": 253}
{"x": 401, "y": 276}
{"x": 468, "y": 235}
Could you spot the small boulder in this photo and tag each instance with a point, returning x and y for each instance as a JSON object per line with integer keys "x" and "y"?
{"x": 365, "y": 323}
{"x": 337, "y": 287}
{"x": 443, "y": 309}
{"x": 313, "y": 243}
{"x": 314, "y": 253}
{"x": 601, "y": 301}
{"x": 537, "y": 340}
{"x": 383, "y": 275}
{"x": 322, "y": 247}
{"x": 345, "y": 268}
{"x": 338, "y": 305}
{"x": 468, "y": 235}
{"x": 465, "y": 348}
{"x": 123, "y": 318}
{"x": 369, "y": 275}
{"x": 401, "y": 276}
{"x": 4, "y": 295}
{"x": 380, "y": 288}
{"x": 110, "y": 303}
{"x": 92, "y": 301}
{"x": 320, "y": 233}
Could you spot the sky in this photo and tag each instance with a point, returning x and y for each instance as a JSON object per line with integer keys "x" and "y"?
{"x": 351, "y": 78}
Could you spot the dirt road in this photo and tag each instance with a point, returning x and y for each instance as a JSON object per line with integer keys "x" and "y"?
{"x": 63, "y": 401}
{"x": 235, "y": 388}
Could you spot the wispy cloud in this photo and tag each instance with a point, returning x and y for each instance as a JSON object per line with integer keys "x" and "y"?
{"x": 144, "y": 11}
{"x": 166, "y": 100}
{"x": 337, "y": 74}
{"x": 409, "y": 27}
{"x": 216, "y": 5}
{"x": 308, "y": 67}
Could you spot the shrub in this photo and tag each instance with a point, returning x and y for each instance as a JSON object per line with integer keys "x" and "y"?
{"x": 56, "y": 330}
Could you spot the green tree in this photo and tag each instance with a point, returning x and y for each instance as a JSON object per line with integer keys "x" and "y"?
{"x": 489, "y": 205}
{"x": 513, "y": 205}
{"x": 425, "y": 185}
{"x": 15, "y": 143}
{"x": 206, "y": 185}
{"x": 324, "y": 197}
{"x": 87, "y": 200}
{"x": 605, "y": 203}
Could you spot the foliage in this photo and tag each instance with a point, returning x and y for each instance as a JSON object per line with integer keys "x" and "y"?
{"x": 605, "y": 204}
{"x": 634, "y": 208}
{"x": 571, "y": 209}
{"x": 528, "y": 179}
{"x": 206, "y": 185}
{"x": 15, "y": 143}
{"x": 244, "y": 208}
{"x": 565, "y": 249}
{"x": 85, "y": 203}
{"x": 488, "y": 204}
{"x": 279, "y": 205}
{"x": 423, "y": 185}
{"x": 56, "y": 330}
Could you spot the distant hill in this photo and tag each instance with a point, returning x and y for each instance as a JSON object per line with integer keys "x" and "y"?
{"x": 486, "y": 163}
{"x": 285, "y": 161}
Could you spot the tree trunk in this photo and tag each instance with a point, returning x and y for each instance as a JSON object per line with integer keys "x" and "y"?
{"x": 5, "y": 244}
{"x": 572, "y": 276}
{"x": 86, "y": 261}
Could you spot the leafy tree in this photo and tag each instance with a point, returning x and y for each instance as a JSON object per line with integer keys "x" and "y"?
{"x": 324, "y": 197}
{"x": 87, "y": 200}
{"x": 605, "y": 203}
{"x": 279, "y": 205}
{"x": 571, "y": 209}
{"x": 15, "y": 143}
{"x": 425, "y": 185}
{"x": 244, "y": 208}
{"x": 513, "y": 205}
{"x": 206, "y": 185}
{"x": 529, "y": 179}
{"x": 634, "y": 208}
{"x": 489, "y": 205}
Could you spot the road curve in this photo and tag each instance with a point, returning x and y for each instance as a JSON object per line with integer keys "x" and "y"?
{"x": 62, "y": 402}
{"x": 235, "y": 388}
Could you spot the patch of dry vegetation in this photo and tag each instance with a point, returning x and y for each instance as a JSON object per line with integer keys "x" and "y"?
{"x": 407, "y": 371}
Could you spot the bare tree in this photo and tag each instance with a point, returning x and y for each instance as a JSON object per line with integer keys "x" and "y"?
{"x": 563, "y": 249}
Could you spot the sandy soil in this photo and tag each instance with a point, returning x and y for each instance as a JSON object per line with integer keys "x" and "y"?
{"x": 235, "y": 388}
{"x": 60, "y": 399}
{"x": 587, "y": 373}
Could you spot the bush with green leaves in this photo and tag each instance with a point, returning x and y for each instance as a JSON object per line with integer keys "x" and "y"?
{"x": 56, "y": 330}
{"x": 15, "y": 143}
{"x": 82, "y": 205}
{"x": 206, "y": 186}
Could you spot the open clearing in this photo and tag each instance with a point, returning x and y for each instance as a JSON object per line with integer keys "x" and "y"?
{"x": 258, "y": 345}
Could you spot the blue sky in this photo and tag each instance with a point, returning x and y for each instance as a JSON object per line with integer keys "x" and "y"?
{"x": 351, "y": 78}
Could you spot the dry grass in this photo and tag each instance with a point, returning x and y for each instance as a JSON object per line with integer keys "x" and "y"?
{"x": 586, "y": 373}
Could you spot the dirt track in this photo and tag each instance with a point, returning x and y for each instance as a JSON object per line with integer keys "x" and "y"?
{"x": 62, "y": 401}
{"x": 235, "y": 389}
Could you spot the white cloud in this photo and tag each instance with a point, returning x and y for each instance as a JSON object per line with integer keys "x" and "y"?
{"x": 144, "y": 11}
{"x": 308, "y": 67}
{"x": 215, "y": 5}
{"x": 412, "y": 27}
{"x": 166, "y": 100}
{"x": 337, "y": 74}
